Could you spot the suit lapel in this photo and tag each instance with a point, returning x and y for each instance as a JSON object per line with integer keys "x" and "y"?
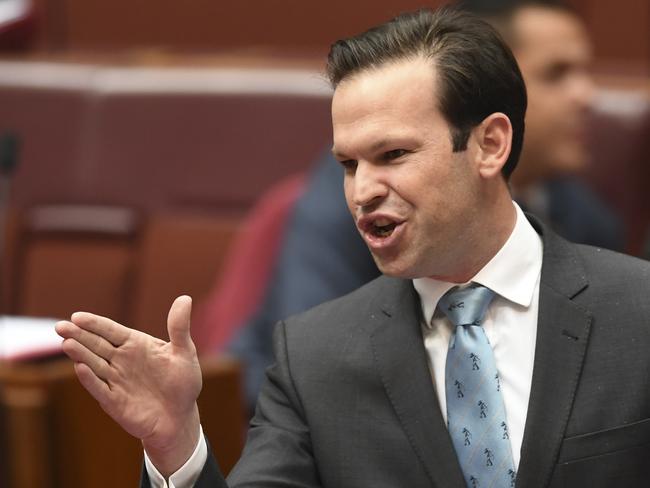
{"x": 402, "y": 363}
{"x": 562, "y": 336}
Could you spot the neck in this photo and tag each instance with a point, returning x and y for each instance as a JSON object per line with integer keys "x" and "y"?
{"x": 494, "y": 228}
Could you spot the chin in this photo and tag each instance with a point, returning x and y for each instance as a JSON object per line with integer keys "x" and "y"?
{"x": 395, "y": 269}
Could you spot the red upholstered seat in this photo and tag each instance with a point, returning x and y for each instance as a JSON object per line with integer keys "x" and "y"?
{"x": 240, "y": 287}
{"x": 619, "y": 142}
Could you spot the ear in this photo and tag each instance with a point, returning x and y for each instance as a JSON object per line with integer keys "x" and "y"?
{"x": 493, "y": 138}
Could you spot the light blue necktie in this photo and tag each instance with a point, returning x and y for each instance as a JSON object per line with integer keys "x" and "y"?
{"x": 476, "y": 417}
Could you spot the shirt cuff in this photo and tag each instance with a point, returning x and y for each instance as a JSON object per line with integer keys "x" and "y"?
{"x": 187, "y": 474}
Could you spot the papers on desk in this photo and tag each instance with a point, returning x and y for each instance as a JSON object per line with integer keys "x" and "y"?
{"x": 23, "y": 338}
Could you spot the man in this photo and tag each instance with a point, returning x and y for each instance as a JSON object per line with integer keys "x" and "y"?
{"x": 428, "y": 123}
{"x": 322, "y": 256}
{"x": 554, "y": 53}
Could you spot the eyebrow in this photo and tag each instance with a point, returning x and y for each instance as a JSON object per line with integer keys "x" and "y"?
{"x": 375, "y": 147}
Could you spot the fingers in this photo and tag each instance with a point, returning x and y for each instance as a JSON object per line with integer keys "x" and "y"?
{"x": 89, "y": 380}
{"x": 80, "y": 354}
{"x": 104, "y": 327}
{"x": 178, "y": 322}
{"x": 91, "y": 341}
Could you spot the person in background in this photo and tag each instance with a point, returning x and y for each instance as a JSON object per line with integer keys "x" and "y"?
{"x": 323, "y": 256}
{"x": 554, "y": 53}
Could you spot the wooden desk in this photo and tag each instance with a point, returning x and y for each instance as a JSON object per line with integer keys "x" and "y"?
{"x": 55, "y": 435}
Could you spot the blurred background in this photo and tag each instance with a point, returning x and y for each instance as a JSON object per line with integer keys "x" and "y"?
{"x": 153, "y": 148}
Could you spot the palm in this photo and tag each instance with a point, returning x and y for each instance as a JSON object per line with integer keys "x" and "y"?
{"x": 155, "y": 383}
{"x": 145, "y": 384}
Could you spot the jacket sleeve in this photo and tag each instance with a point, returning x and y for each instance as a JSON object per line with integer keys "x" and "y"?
{"x": 278, "y": 450}
{"x": 210, "y": 476}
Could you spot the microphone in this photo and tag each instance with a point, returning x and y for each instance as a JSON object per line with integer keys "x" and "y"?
{"x": 9, "y": 150}
{"x": 9, "y": 146}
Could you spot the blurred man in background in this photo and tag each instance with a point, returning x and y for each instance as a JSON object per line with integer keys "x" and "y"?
{"x": 554, "y": 53}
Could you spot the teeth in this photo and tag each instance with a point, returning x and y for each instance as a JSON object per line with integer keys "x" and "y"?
{"x": 382, "y": 222}
{"x": 384, "y": 232}
{"x": 383, "y": 227}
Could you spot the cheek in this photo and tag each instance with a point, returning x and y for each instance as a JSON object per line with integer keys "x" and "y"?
{"x": 541, "y": 124}
{"x": 541, "y": 94}
{"x": 409, "y": 188}
{"x": 348, "y": 188}
{"x": 547, "y": 105}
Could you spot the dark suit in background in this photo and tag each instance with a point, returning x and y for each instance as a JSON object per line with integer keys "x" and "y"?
{"x": 579, "y": 215}
{"x": 322, "y": 257}
{"x": 350, "y": 400}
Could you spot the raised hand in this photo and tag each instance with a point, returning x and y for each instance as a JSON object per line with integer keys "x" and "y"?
{"x": 145, "y": 384}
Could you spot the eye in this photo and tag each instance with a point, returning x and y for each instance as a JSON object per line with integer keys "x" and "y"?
{"x": 556, "y": 72}
{"x": 394, "y": 154}
{"x": 349, "y": 164}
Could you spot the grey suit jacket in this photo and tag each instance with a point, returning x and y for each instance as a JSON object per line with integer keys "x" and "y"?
{"x": 350, "y": 400}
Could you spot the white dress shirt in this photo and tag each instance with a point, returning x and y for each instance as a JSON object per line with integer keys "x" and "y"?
{"x": 510, "y": 324}
{"x": 187, "y": 474}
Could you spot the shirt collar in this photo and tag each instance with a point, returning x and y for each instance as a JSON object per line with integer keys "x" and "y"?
{"x": 512, "y": 273}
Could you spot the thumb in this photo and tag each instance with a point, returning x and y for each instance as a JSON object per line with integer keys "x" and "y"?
{"x": 178, "y": 322}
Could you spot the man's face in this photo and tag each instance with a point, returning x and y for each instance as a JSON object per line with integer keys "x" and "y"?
{"x": 554, "y": 55}
{"x": 412, "y": 198}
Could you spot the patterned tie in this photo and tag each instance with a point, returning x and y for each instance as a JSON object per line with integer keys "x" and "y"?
{"x": 476, "y": 417}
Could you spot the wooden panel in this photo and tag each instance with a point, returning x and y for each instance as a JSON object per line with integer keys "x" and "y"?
{"x": 62, "y": 276}
{"x": 188, "y": 139}
{"x": 88, "y": 448}
{"x": 49, "y": 122}
{"x": 619, "y": 28}
{"x": 221, "y": 24}
{"x": 8, "y": 261}
{"x": 74, "y": 259}
{"x": 26, "y": 427}
{"x": 191, "y": 150}
{"x": 221, "y": 405}
{"x": 57, "y": 436}
{"x": 620, "y": 33}
{"x": 179, "y": 254}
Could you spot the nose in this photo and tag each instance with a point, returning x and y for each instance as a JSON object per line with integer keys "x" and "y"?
{"x": 583, "y": 89}
{"x": 365, "y": 186}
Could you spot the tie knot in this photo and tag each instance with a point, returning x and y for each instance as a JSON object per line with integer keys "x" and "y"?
{"x": 466, "y": 306}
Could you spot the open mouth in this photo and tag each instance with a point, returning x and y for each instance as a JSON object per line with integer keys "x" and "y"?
{"x": 382, "y": 228}
{"x": 380, "y": 231}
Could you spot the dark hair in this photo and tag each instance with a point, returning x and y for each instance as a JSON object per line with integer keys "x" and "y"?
{"x": 477, "y": 73}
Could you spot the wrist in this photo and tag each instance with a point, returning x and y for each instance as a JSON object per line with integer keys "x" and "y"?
{"x": 169, "y": 454}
